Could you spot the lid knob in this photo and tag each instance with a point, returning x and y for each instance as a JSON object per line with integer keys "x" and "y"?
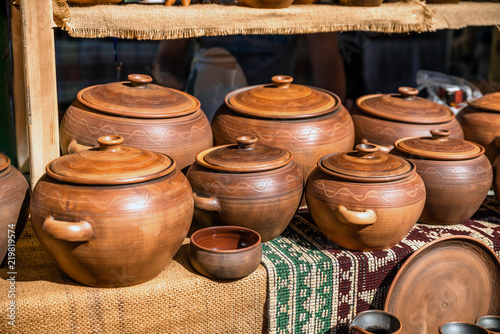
{"x": 366, "y": 151}
{"x": 440, "y": 135}
{"x": 138, "y": 80}
{"x": 407, "y": 92}
{"x": 246, "y": 142}
{"x": 282, "y": 81}
{"x": 110, "y": 143}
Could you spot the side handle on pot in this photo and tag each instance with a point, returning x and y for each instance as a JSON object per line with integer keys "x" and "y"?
{"x": 68, "y": 231}
{"x": 206, "y": 203}
{"x": 362, "y": 218}
{"x": 74, "y": 147}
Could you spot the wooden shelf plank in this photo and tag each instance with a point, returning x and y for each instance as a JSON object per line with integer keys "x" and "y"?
{"x": 156, "y": 22}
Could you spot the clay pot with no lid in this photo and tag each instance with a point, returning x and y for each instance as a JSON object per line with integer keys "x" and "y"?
{"x": 375, "y": 322}
{"x": 147, "y": 116}
{"x": 384, "y": 118}
{"x": 112, "y": 216}
{"x": 309, "y": 122}
{"x": 456, "y": 173}
{"x": 14, "y": 206}
{"x": 246, "y": 184}
{"x": 365, "y": 199}
{"x": 480, "y": 121}
{"x": 225, "y": 252}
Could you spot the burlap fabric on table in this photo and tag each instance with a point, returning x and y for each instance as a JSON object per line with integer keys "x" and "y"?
{"x": 316, "y": 287}
{"x": 157, "y": 22}
{"x": 177, "y": 301}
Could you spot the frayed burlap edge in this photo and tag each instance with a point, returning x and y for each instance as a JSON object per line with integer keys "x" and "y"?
{"x": 144, "y": 22}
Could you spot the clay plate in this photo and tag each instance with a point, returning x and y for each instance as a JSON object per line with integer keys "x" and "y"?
{"x": 453, "y": 278}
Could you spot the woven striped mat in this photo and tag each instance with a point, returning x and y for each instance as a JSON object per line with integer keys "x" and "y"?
{"x": 316, "y": 287}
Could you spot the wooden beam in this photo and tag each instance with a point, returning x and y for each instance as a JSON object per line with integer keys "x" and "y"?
{"x": 40, "y": 84}
{"x": 19, "y": 100}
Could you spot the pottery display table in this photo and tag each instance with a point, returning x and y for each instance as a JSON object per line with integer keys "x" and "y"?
{"x": 305, "y": 285}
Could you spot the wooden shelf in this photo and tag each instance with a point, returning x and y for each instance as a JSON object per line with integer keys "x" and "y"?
{"x": 34, "y": 59}
{"x": 157, "y": 22}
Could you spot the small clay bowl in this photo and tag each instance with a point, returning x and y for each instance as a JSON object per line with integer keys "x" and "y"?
{"x": 490, "y": 323}
{"x": 461, "y": 328}
{"x": 376, "y": 321}
{"x": 225, "y": 252}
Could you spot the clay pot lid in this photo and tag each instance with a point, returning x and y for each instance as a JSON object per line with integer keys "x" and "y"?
{"x": 282, "y": 100}
{"x": 138, "y": 98}
{"x": 405, "y": 107}
{"x": 245, "y": 156}
{"x": 489, "y": 102}
{"x": 110, "y": 164}
{"x": 4, "y": 162}
{"x": 439, "y": 146}
{"x": 366, "y": 164}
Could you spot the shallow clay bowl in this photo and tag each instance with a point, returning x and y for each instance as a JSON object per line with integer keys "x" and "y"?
{"x": 461, "y": 328}
{"x": 490, "y": 323}
{"x": 225, "y": 252}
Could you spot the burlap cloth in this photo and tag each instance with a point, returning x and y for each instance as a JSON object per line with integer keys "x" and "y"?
{"x": 157, "y": 22}
{"x": 177, "y": 301}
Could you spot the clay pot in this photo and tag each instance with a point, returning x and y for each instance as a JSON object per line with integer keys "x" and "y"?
{"x": 14, "y": 206}
{"x": 112, "y": 216}
{"x": 384, "y": 118}
{"x": 94, "y": 2}
{"x": 456, "y": 173}
{"x": 225, "y": 252}
{"x": 308, "y": 122}
{"x": 461, "y": 328}
{"x": 272, "y": 4}
{"x": 148, "y": 116}
{"x": 246, "y": 184}
{"x": 489, "y": 322}
{"x": 363, "y": 3}
{"x": 365, "y": 199}
{"x": 375, "y": 322}
{"x": 481, "y": 123}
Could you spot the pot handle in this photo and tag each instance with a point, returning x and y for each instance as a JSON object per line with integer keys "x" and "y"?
{"x": 74, "y": 147}
{"x": 68, "y": 231}
{"x": 206, "y": 203}
{"x": 381, "y": 148}
{"x": 366, "y": 217}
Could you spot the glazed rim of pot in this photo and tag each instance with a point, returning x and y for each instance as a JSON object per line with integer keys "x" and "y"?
{"x": 138, "y": 98}
{"x": 244, "y": 156}
{"x": 207, "y": 234}
{"x": 405, "y": 106}
{"x": 282, "y": 100}
{"x": 4, "y": 162}
{"x": 110, "y": 164}
{"x": 366, "y": 164}
{"x": 489, "y": 102}
{"x": 439, "y": 146}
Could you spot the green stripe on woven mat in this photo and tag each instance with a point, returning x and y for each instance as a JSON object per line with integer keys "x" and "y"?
{"x": 300, "y": 282}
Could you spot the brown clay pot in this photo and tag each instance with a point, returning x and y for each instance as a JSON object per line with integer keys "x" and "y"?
{"x": 365, "y": 200}
{"x": 481, "y": 123}
{"x": 363, "y": 3}
{"x": 246, "y": 184}
{"x": 308, "y": 122}
{"x": 94, "y": 2}
{"x": 384, "y": 118}
{"x": 14, "y": 206}
{"x": 146, "y": 115}
{"x": 112, "y": 216}
{"x": 225, "y": 252}
{"x": 271, "y": 4}
{"x": 456, "y": 173}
